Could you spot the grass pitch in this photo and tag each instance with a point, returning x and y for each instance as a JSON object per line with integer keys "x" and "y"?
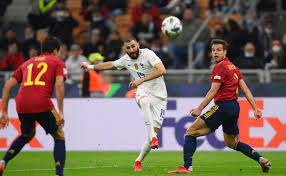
{"x": 156, "y": 164}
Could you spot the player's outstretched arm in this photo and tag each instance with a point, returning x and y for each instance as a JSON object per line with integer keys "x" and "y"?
{"x": 4, "y": 120}
{"x": 160, "y": 70}
{"x": 60, "y": 93}
{"x": 102, "y": 66}
{"x": 244, "y": 88}
{"x": 208, "y": 98}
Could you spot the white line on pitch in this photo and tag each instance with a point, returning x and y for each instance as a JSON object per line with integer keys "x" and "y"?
{"x": 116, "y": 166}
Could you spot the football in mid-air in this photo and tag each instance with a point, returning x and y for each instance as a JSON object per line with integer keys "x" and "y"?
{"x": 172, "y": 27}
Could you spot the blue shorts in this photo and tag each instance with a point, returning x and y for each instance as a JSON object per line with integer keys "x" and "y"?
{"x": 48, "y": 120}
{"x": 223, "y": 113}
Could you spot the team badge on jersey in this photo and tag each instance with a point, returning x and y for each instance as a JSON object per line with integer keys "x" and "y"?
{"x": 136, "y": 66}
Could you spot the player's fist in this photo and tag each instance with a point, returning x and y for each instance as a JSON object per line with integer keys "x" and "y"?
{"x": 4, "y": 121}
{"x": 61, "y": 121}
{"x": 258, "y": 113}
{"x": 134, "y": 84}
{"x": 84, "y": 65}
{"x": 196, "y": 112}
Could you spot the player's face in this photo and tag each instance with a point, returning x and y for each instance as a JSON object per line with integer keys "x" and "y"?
{"x": 218, "y": 53}
{"x": 132, "y": 49}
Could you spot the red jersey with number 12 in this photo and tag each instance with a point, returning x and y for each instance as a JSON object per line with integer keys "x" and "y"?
{"x": 228, "y": 75}
{"x": 37, "y": 77}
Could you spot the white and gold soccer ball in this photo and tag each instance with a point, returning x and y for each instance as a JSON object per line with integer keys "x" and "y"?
{"x": 172, "y": 27}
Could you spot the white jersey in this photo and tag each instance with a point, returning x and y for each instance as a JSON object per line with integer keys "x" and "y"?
{"x": 142, "y": 66}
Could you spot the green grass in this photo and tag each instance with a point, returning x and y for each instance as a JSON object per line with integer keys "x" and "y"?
{"x": 157, "y": 163}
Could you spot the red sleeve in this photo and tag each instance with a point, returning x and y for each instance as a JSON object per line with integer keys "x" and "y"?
{"x": 18, "y": 75}
{"x": 217, "y": 75}
{"x": 61, "y": 69}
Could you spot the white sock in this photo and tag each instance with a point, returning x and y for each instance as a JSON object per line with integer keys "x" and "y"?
{"x": 144, "y": 151}
{"x": 146, "y": 107}
{"x": 261, "y": 159}
{"x": 4, "y": 163}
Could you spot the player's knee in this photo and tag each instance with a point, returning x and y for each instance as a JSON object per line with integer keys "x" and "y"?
{"x": 59, "y": 135}
{"x": 147, "y": 122}
{"x": 231, "y": 143}
{"x": 192, "y": 132}
{"x": 144, "y": 102}
{"x": 148, "y": 141}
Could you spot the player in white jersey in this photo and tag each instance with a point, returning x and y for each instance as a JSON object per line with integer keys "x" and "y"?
{"x": 147, "y": 71}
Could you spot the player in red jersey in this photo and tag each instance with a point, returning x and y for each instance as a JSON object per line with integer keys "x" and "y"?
{"x": 37, "y": 78}
{"x": 226, "y": 78}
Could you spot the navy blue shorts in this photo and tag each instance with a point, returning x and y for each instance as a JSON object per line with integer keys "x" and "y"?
{"x": 223, "y": 113}
{"x": 48, "y": 120}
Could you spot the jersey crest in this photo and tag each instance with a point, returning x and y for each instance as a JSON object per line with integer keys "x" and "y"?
{"x": 136, "y": 66}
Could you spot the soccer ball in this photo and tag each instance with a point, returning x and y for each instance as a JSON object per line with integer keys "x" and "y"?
{"x": 171, "y": 27}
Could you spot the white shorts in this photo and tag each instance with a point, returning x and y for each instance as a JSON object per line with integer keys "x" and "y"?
{"x": 158, "y": 107}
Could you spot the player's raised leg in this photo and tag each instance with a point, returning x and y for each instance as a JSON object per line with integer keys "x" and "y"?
{"x": 233, "y": 143}
{"x": 198, "y": 128}
{"x": 158, "y": 108}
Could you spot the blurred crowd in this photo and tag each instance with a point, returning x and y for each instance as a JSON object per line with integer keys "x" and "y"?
{"x": 98, "y": 27}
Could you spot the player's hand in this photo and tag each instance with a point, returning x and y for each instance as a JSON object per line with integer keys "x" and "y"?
{"x": 135, "y": 84}
{"x": 61, "y": 122}
{"x": 4, "y": 121}
{"x": 196, "y": 112}
{"x": 257, "y": 113}
{"x": 84, "y": 65}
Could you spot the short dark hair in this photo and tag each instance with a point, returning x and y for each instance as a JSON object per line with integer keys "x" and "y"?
{"x": 12, "y": 42}
{"x": 220, "y": 41}
{"x": 129, "y": 39}
{"x": 50, "y": 44}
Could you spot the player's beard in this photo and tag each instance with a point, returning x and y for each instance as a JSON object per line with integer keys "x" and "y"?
{"x": 218, "y": 59}
{"x": 134, "y": 55}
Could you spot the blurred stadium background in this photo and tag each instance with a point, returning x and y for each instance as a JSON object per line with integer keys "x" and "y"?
{"x": 102, "y": 117}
